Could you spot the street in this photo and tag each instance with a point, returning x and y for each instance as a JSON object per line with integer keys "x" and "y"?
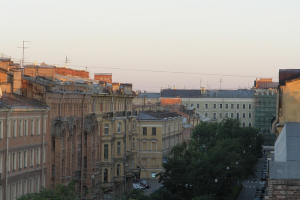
{"x": 249, "y": 186}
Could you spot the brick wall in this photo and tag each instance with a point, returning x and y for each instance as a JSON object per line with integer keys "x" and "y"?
{"x": 284, "y": 189}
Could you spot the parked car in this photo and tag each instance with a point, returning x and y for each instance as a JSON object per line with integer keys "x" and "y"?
{"x": 263, "y": 177}
{"x": 260, "y": 188}
{"x": 138, "y": 186}
{"x": 259, "y": 194}
{"x": 142, "y": 182}
{"x": 257, "y": 198}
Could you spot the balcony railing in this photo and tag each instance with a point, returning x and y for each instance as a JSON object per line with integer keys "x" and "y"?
{"x": 107, "y": 184}
{"x": 118, "y": 179}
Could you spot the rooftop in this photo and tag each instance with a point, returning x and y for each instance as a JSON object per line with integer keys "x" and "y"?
{"x": 149, "y": 95}
{"x": 159, "y": 115}
{"x": 13, "y": 100}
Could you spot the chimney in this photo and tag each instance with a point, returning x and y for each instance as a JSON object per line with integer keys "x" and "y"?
{"x": 17, "y": 80}
{"x": 30, "y": 70}
{"x": 47, "y": 72}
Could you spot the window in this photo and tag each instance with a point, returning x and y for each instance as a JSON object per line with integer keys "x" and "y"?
{"x": 44, "y": 126}
{"x": 38, "y": 156}
{"x": 31, "y": 186}
{"x": 250, "y": 115}
{"x": 244, "y": 125}
{"x": 144, "y": 145}
{"x": 237, "y": 106}
{"x": 153, "y": 146}
{"x": 133, "y": 143}
{"x": 133, "y": 125}
{"x": 118, "y": 147}
{"x": 198, "y": 106}
{"x": 244, "y": 115}
{"x": 14, "y": 128}
{"x": 84, "y": 162}
{"x": 14, "y": 159}
{"x": 105, "y": 175}
{"x": 37, "y": 184}
{"x": 226, "y": 106}
{"x": 231, "y": 106}
{"x": 250, "y": 124}
{"x": 153, "y": 174}
{"x": 226, "y": 114}
{"x": 215, "y": 106}
{"x": 20, "y": 160}
{"x": 0, "y": 193}
{"x": 9, "y": 124}
{"x": 238, "y": 115}
{"x": 19, "y": 188}
{"x": 221, "y": 106}
{"x": 106, "y": 151}
{"x": 44, "y": 153}
{"x": 25, "y": 187}
{"x": 231, "y": 115}
{"x": 214, "y": 115}
{"x": 119, "y": 127}
{"x": 13, "y": 191}
{"x": 1, "y": 164}
{"x": 221, "y": 115}
{"x": 244, "y": 106}
{"x": 32, "y": 127}
{"x": 249, "y": 106}
{"x": 25, "y": 127}
{"x": 20, "y": 128}
{"x": 31, "y": 157}
{"x": 38, "y": 127}
{"x": 118, "y": 170}
{"x": 25, "y": 158}
{"x": 192, "y": 105}
{"x": 53, "y": 142}
{"x": 53, "y": 171}
{"x": 206, "y": 114}
{"x": 144, "y": 130}
{"x": 153, "y": 130}
{"x": 1, "y": 129}
{"x": 105, "y": 129}
{"x": 8, "y": 167}
{"x": 206, "y": 105}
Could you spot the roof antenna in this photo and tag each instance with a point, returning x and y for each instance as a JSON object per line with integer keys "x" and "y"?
{"x": 67, "y": 61}
{"x": 23, "y": 47}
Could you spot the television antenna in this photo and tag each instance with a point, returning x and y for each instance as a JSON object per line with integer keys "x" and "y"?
{"x": 23, "y": 47}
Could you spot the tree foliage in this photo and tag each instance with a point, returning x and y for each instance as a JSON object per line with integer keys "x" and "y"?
{"x": 219, "y": 156}
{"x": 61, "y": 192}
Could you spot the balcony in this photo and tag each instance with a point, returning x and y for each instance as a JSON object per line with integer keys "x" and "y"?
{"x": 118, "y": 179}
{"x": 107, "y": 185}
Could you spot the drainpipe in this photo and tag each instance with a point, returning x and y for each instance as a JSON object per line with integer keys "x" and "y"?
{"x": 125, "y": 141}
{"x": 7, "y": 147}
{"x": 82, "y": 145}
{"x": 43, "y": 143}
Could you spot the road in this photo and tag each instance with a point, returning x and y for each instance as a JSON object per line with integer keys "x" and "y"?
{"x": 249, "y": 186}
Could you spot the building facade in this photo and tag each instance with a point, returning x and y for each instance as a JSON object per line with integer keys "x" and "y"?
{"x": 23, "y": 145}
{"x": 218, "y": 104}
{"x": 158, "y": 132}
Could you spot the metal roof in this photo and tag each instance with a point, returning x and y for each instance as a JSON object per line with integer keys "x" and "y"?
{"x": 159, "y": 115}
{"x": 149, "y": 95}
{"x": 228, "y": 94}
{"x": 181, "y": 93}
{"x": 14, "y": 100}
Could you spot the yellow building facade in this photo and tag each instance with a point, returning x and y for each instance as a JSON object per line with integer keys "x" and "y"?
{"x": 156, "y": 134}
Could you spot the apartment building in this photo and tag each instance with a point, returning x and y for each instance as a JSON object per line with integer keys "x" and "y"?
{"x": 218, "y": 104}
{"x": 157, "y": 133}
{"x": 23, "y": 145}
{"x": 117, "y": 123}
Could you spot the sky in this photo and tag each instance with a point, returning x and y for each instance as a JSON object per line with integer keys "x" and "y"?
{"x": 156, "y": 44}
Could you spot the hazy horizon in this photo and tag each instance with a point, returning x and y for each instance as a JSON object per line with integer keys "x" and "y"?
{"x": 248, "y": 39}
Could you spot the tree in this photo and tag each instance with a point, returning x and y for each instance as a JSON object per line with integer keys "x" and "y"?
{"x": 219, "y": 156}
{"x": 61, "y": 192}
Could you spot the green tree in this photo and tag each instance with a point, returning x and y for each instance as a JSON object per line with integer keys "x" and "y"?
{"x": 218, "y": 157}
{"x": 61, "y": 192}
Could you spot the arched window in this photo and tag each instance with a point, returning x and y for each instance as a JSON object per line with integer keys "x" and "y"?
{"x": 118, "y": 169}
{"x": 105, "y": 175}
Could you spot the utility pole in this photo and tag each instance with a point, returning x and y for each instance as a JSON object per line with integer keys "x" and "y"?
{"x": 220, "y": 83}
{"x": 23, "y": 47}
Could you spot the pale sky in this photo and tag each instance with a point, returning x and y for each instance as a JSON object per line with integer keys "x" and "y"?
{"x": 247, "y": 38}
